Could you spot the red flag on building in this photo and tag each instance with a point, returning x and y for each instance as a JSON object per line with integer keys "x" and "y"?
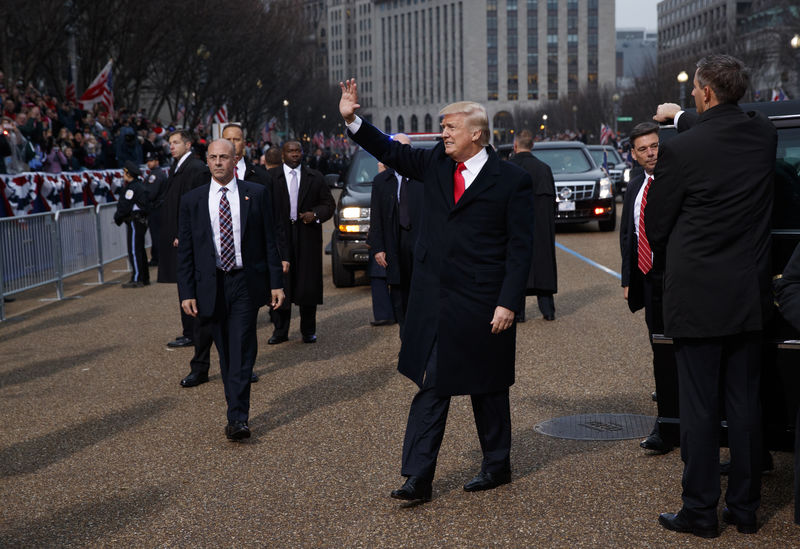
{"x": 100, "y": 91}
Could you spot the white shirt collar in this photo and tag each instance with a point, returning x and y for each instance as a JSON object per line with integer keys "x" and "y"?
{"x": 475, "y": 163}
{"x": 231, "y": 186}
{"x": 182, "y": 159}
{"x": 241, "y": 168}
{"x": 287, "y": 171}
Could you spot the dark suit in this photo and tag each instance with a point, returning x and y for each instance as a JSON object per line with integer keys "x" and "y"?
{"x": 470, "y": 258}
{"x": 708, "y": 220}
{"x": 543, "y": 278}
{"x": 255, "y": 173}
{"x": 301, "y": 246}
{"x": 387, "y": 235}
{"x": 230, "y": 301}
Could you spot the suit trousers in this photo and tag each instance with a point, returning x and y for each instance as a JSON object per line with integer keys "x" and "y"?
{"x": 203, "y": 339}
{"x": 382, "y": 306}
{"x": 137, "y": 257}
{"x": 428, "y": 416}
{"x": 281, "y": 318}
{"x": 234, "y": 327}
{"x": 712, "y": 371}
{"x": 547, "y": 305}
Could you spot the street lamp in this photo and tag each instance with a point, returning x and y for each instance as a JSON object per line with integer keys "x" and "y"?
{"x": 286, "y": 117}
{"x": 544, "y": 125}
{"x": 575, "y": 117}
{"x": 795, "y": 42}
{"x": 682, "y": 79}
{"x": 615, "y": 99}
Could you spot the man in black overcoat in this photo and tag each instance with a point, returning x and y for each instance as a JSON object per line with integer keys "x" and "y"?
{"x": 471, "y": 263}
{"x": 244, "y": 169}
{"x": 639, "y": 277}
{"x": 395, "y": 214}
{"x": 543, "y": 278}
{"x": 302, "y": 203}
{"x": 228, "y": 267}
{"x": 708, "y": 217}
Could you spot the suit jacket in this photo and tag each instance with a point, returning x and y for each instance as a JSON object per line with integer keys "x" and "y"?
{"x": 255, "y": 173}
{"x": 708, "y": 218}
{"x": 197, "y": 267}
{"x": 470, "y": 257}
{"x": 193, "y": 173}
{"x": 632, "y": 277}
{"x": 384, "y": 229}
{"x": 543, "y": 277}
{"x": 302, "y": 246}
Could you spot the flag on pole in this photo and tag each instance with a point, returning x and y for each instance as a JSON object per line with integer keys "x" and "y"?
{"x": 779, "y": 95}
{"x": 221, "y": 116}
{"x": 101, "y": 90}
{"x": 605, "y": 134}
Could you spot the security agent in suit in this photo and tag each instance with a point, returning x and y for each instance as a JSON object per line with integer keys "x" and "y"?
{"x": 470, "y": 266}
{"x": 708, "y": 217}
{"x": 302, "y": 203}
{"x": 133, "y": 207}
{"x": 543, "y": 278}
{"x": 227, "y": 261}
{"x": 244, "y": 169}
{"x": 638, "y": 275}
{"x": 156, "y": 188}
{"x": 395, "y": 215}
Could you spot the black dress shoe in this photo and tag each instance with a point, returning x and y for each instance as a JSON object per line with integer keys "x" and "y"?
{"x": 182, "y": 341}
{"x": 677, "y": 523}
{"x": 487, "y": 481}
{"x": 310, "y": 338}
{"x": 750, "y": 527}
{"x": 194, "y": 379}
{"x": 655, "y": 443}
{"x": 133, "y": 284}
{"x": 237, "y": 430}
{"x": 415, "y": 489}
{"x": 549, "y": 317}
{"x": 274, "y": 340}
{"x": 387, "y": 322}
{"x": 254, "y": 378}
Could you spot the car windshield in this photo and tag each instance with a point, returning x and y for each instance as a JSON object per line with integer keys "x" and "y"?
{"x": 787, "y": 180}
{"x": 564, "y": 160}
{"x": 597, "y": 155}
{"x": 363, "y": 169}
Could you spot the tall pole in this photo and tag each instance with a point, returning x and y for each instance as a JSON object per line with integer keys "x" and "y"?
{"x": 682, "y": 79}
{"x": 615, "y": 99}
{"x": 72, "y": 50}
{"x": 286, "y": 117}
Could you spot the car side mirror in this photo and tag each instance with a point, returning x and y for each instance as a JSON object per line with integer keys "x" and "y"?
{"x": 333, "y": 181}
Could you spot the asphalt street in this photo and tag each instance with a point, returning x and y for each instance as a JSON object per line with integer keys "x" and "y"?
{"x": 101, "y": 447}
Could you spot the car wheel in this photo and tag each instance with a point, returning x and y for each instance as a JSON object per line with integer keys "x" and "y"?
{"x": 342, "y": 276}
{"x": 609, "y": 224}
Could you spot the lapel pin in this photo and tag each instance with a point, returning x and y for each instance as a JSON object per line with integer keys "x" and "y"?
{"x": 247, "y": 198}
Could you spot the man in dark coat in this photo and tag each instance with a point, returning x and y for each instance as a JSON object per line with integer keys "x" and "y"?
{"x": 187, "y": 172}
{"x": 395, "y": 214}
{"x": 639, "y": 278}
{"x": 228, "y": 267}
{"x": 708, "y": 217}
{"x": 133, "y": 208}
{"x": 543, "y": 278}
{"x": 470, "y": 266}
{"x": 302, "y": 203}
{"x": 157, "y": 189}
{"x": 244, "y": 169}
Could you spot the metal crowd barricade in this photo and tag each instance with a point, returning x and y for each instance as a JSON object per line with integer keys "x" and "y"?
{"x": 45, "y": 248}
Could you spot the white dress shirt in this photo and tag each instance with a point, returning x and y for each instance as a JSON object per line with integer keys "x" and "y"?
{"x": 214, "y": 196}
{"x": 181, "y": 160}
{"x": 241, "y": 169}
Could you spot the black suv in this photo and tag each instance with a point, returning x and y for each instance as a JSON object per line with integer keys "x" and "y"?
{"x": 349, "y": 251}
{"x": 617, "y": 169}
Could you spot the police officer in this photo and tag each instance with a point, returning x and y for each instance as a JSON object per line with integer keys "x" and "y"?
{"x": 132, "y": 209}
{"x": 156, "y": 189}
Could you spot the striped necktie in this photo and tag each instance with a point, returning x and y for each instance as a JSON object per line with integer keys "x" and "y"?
{"x": 227, "y": 252}
{"x": 645, "y": 253}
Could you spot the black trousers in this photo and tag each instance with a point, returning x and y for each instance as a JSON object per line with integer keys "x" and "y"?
{"x": 383, "y": 307}
{"x": 140, "y": 271}
{"x": 712, "y": 371}
{"x": 203, "y": 339}
{"x": 281, "y": 318}
{"x": 426, "y": 423}
{"x": 154, "y": 225}
{"x": 234, "y": 327}
{"x": 547, "y": 305}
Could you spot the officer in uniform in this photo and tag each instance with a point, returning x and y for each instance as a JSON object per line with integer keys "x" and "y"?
{"x": 132, "y": 209}
{"x": 156, "y": 188}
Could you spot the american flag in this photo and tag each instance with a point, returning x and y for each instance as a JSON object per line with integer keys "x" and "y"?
{"x": 100, "y": 91}
{"x": 605, "y": 134}
{"x": 221, "y": 116}
{"x": 779, "y": 95}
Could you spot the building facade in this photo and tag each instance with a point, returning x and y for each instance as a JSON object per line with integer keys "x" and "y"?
{"x": 637, "y": 54}
{"x": 412, "y": 57}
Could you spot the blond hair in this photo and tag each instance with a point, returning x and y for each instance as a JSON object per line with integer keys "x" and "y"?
{"x": 475, "y": 115}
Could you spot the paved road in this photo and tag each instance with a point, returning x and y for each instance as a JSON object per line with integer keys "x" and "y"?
{"x": 101, "y": 447}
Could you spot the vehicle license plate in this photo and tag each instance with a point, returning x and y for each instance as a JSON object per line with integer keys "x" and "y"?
{"x": 566, "y": 206}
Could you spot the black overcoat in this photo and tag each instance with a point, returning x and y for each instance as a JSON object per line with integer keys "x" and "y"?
{"x": 384, "y": 229}
{"x": 543, "y": 278}
{"x": 470, "y": 257}
{"x": 302, "y": 245}
{"x": 192, "y": 174}
{"x": 708, "y": 217}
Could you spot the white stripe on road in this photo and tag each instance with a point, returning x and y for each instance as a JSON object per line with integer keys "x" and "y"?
{"x": 589, "y": 261}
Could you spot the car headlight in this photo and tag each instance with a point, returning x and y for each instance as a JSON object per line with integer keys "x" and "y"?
{"x": 606, "y": 190}
{"x": 354, "y": 212}
{"x": 626, "y": 175}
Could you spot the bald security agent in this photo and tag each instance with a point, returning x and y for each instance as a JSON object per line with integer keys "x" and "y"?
{"x": 471, "y": 263}
{"x": 227, "y": 263}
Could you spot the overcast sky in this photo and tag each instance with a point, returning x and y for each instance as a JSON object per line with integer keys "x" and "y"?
{"x": 636, "y": 14}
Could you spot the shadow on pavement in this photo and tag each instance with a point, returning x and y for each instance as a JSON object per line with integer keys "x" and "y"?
{"x": 51, "y": 320}
{"x": 48, "y": 367}
{"x": 32, "y": 455}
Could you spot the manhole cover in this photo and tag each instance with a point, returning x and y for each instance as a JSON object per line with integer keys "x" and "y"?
{"x": 598, "y": 426}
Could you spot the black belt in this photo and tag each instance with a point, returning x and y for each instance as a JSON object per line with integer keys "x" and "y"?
{"x": 231, "y": 272}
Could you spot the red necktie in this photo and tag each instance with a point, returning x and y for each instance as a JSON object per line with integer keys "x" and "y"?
{"x": 645, "y": 254}
{"x": 458, "y": 181}
{"x": 236, "y": 172}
